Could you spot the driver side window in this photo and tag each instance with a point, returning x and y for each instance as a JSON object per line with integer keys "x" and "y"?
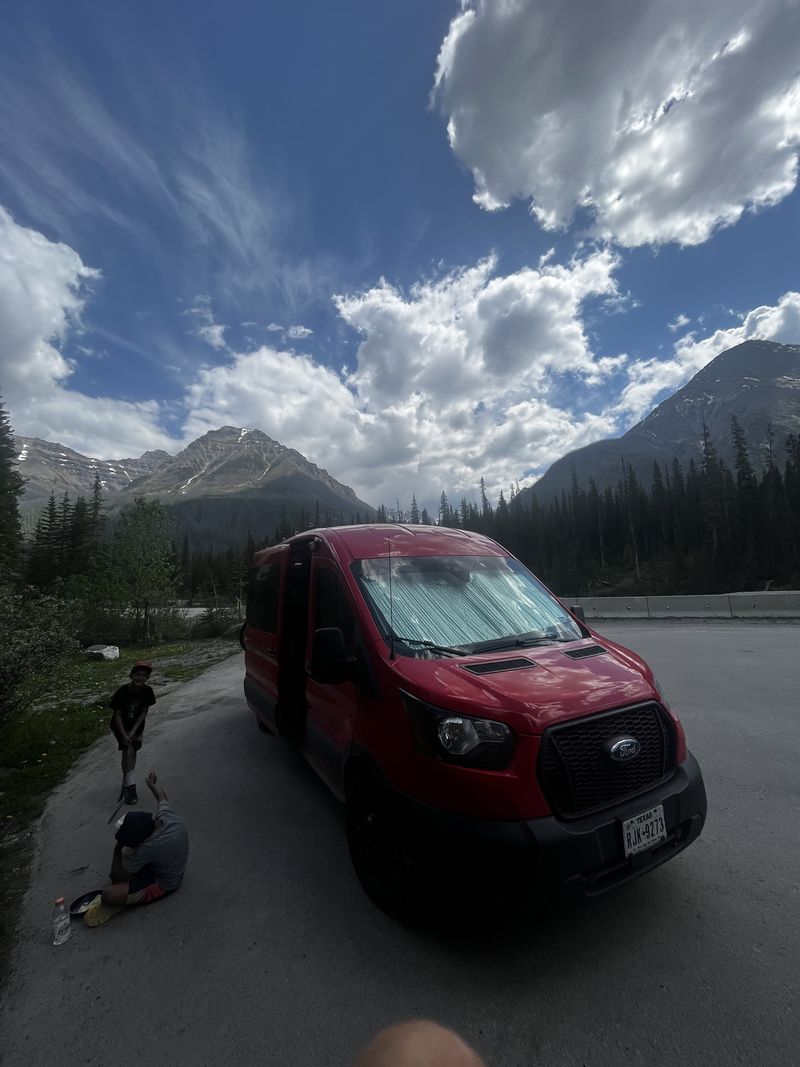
{"x": 332, "y": 607}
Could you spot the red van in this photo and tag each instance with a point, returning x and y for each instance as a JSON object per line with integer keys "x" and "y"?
{"x": 458, "y": 709}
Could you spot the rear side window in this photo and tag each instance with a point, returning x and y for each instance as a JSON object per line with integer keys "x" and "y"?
{"x": 333, "y": 607}
{"x": 262, "y": 599}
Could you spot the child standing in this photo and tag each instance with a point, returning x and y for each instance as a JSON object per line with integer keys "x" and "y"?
{"x": 130, "y": 704}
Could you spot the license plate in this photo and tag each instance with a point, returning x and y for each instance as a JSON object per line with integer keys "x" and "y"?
{"x": 644, "y": 831}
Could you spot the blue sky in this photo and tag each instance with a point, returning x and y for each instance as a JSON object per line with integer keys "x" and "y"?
{"x": 421, "y": 243}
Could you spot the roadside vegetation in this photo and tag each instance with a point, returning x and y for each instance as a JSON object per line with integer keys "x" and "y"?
{"x": 79, "y": 582}
{"x": 69, "y": 711}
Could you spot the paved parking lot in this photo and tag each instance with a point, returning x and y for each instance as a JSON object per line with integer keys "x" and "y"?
{"x": 271, "y": 953}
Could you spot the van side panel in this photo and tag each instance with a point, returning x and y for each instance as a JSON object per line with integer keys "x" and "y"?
{"x": 263, "y": 634}
{"x": 332, "y": 710}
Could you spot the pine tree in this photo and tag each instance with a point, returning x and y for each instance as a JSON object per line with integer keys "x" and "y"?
{"x": 414, "y": 519}
{"x": 96, "y": 509}
{"x": 744, "y": 548}
{"x": 11, "y": 488}
{"x": 144, "y": 561}
{"x": 186, "y": 568}
{"x": 42, "y": 564}
{"x": 62, "y": 534}
{"x": 791, "y": 486}
{"x": 80, "y": 538}
{"x": 445, "y": 517}
{"x": 486, "y": 507}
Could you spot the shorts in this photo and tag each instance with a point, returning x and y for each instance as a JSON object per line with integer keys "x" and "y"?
{"x": 143, "y": 887}
{"x": 137, "y": 741}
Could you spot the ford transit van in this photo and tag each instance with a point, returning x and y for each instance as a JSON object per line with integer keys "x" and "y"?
{"x": 460, "y": 710}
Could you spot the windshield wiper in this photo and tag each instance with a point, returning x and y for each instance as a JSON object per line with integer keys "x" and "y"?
{"x": 446, "y": 649}
{"x": 501, "y": 644}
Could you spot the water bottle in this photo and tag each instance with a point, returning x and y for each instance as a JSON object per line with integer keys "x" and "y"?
{"x": 61, "y": 924}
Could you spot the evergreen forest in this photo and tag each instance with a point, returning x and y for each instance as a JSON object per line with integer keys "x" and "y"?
{"x": 703, "y": 529}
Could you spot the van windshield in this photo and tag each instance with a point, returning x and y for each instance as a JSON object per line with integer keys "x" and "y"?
{"x": 461, "y": 604}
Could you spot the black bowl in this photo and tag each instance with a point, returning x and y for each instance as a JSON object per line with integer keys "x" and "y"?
{"x": 81, "y": 903}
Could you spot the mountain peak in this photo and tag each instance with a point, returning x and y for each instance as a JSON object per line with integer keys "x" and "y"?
{"x": 752, "y": 359}
{"x": 229, "y": 482}
{"x": 758, "y": 382}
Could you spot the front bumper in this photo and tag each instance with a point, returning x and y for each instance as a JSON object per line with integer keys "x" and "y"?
{"x": 582, "y": 854}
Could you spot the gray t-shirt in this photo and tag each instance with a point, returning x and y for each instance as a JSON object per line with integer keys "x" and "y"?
{"x": 167, "y": 848}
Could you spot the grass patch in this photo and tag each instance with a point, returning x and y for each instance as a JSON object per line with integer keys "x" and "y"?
{"x": 39, "y": 748}
{"x": 184, "y": 672}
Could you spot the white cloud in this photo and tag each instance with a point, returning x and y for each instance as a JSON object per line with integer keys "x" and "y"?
{"x": 679, "y": 322}
{"x": 649, "y": 378}
{"x": 779, "y": 322}
{"x": 452, "y": 382}
{"x": 275, "y": 327}
{"x": 43, "y": 288}
{"x": 298, "y": 333}
{"x": 668, "y": 120}
{"x": 472, "y": 334}
{"x": 213, "y": 334}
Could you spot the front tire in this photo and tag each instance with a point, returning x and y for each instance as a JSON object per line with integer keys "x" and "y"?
{"x": 380, "y": 849}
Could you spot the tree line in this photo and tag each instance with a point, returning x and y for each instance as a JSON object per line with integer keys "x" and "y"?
{"x": 701, "y": 529}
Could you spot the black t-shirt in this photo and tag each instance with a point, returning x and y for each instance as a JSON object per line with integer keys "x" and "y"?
{"x": 131, "y": 702}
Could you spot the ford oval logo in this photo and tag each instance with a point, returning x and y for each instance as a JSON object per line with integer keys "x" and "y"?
{"x": 624, "y": 749}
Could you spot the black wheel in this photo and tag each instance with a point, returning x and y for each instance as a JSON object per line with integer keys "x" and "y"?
{"x": 381, "y": 851}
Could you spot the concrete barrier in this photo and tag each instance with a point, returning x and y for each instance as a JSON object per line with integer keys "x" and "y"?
{"x": 716, "y": 606}
{"x": 613, "y": 607}
{"x": 776, "y": 604}
{"x": 769, "y": 605}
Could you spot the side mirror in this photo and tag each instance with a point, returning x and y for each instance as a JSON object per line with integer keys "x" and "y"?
{"x": 578, "y": 612}
{"x": 329, "y": 662}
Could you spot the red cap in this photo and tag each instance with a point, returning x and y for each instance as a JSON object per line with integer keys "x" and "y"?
{"x": 141, "y": 665}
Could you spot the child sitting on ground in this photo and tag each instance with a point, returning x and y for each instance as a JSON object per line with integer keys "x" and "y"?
{"x": 149, "y": 859}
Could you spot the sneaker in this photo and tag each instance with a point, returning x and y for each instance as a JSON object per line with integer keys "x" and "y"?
{"x": 131, "y": 796}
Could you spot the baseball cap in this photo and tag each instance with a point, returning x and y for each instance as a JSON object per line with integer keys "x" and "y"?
{"x": 136, "y": 826}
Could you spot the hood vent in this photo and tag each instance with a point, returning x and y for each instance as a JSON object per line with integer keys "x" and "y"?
{"x": 584, "y": 653}
{"x": 498, "y": 665}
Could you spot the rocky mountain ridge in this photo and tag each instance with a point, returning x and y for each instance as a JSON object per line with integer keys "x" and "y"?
{"x": 228, "y": 483}
{"x": 50, "y": 467}
{"x": 757, "y": 381}
{"x": 230, "y": 460}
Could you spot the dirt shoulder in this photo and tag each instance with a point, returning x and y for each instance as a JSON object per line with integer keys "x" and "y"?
{"x": 39, "y": 751}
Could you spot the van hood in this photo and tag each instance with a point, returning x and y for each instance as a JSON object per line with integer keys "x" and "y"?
{"x": 540, "y": 687}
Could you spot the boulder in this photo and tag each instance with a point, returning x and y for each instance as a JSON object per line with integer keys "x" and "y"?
{"x": 102, "y": 652}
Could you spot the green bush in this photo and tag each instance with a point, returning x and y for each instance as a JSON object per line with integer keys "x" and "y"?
{"x": 215, "y": 622}
{"x": 39, "y": 633}
{"x": 169, "y": 624}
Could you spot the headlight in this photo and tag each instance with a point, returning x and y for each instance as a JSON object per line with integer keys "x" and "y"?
{"x": 460, "y": 739}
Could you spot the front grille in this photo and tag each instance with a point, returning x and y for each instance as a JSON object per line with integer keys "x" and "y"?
{"x": 576, "y": 772}
{"x": 498, "y": 665}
